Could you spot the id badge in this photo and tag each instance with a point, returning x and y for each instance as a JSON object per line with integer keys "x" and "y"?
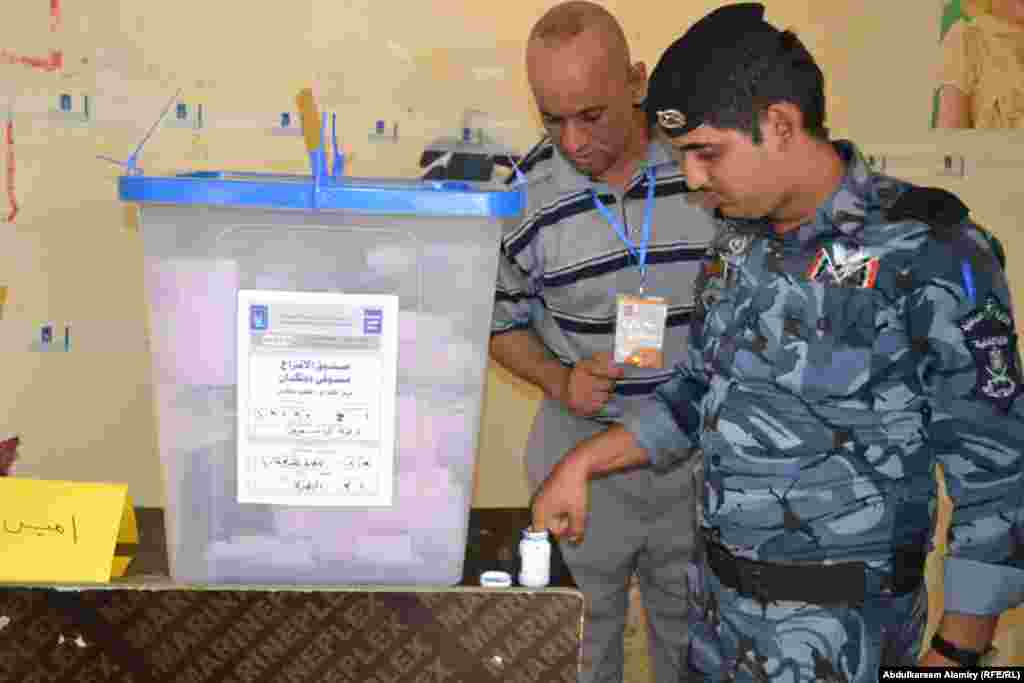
{"x": 640, "y": 330}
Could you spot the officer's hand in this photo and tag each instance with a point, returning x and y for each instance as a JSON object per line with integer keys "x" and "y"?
{"x": 590, "y": 384}
{"x": 560, "y": 505}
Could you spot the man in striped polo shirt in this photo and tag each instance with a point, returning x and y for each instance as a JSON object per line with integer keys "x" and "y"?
{"x": 590, "y": 184}
{"x": 855, "y": 332}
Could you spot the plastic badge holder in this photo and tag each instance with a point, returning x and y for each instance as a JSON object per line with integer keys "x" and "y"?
{"x": 207, "y": 236}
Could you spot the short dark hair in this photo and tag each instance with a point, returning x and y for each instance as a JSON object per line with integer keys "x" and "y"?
{"x": 759, "y": 80}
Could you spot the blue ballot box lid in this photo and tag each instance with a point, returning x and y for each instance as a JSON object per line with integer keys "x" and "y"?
{"x": 303, "y": 192}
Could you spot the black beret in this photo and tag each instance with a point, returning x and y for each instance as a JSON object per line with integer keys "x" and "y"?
{"x": 691, "y": 80}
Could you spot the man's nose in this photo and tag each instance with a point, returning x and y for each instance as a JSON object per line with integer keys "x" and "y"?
{"x": 696, "y": 175}
{"x": 575, "y": 137}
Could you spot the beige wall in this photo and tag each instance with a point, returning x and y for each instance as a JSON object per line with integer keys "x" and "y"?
{"x": 73, "y": 253}
{"x": 418, "y": 64}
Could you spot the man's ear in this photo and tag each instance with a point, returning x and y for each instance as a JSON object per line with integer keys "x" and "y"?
{"x": 781, "y": 121}
{"x": 638, "y": 82}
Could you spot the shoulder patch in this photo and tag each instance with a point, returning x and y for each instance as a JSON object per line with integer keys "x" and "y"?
{"x": 940, "y": 209}
{"x": 990, "y": 337}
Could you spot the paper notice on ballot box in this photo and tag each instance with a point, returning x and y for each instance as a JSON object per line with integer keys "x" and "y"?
{"x": 316, "y": 398}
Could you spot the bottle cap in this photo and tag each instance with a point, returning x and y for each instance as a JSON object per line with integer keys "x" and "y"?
{"x": 496, "y": 579}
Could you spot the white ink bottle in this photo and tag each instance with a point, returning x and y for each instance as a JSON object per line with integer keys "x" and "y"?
{"x": 535, "y": 553}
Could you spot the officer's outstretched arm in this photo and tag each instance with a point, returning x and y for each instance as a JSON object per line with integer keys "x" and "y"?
{"x": 961, "y": 319}
{"x": 562, "y": 502}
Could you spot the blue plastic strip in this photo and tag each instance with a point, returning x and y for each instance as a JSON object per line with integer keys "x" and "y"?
{"x": 322, "y": 169}
{"x": 339, "y": 158}
{"x": 280, "y": 191}
{"x": 637, "y": 249}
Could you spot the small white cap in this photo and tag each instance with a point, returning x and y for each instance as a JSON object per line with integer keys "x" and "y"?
{"x": 535, "y": 535}
{"x": 496, "y": 579}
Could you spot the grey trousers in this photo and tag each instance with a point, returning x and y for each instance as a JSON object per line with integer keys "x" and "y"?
{"x": 640, "y": 522}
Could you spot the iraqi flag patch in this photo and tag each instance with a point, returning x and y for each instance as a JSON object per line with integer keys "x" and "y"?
{"x": 843, "y": 267}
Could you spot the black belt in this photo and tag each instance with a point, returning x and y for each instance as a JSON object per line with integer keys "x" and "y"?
{"x": 842, "y": 583}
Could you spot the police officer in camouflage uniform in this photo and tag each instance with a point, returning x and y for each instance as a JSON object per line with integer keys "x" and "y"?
{"x": 855, "y": 332}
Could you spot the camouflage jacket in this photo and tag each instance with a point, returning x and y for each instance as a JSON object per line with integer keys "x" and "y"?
{"x": 832, "y": 368}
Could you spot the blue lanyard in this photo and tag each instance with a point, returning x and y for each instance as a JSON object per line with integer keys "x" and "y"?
{"x": 639, "y": 251}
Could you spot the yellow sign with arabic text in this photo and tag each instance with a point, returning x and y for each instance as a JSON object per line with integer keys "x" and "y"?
{"x": 64, "y": 531}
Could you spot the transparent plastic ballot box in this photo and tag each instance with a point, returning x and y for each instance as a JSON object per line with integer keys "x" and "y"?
{"x": 319, "y": 355}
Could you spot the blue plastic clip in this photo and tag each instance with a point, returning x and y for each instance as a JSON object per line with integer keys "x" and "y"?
{"x": 318, "y": 163}
{"x": 338, "y": 167}
{"x": 323, "y": 146}
{"x": 316, "y": 158}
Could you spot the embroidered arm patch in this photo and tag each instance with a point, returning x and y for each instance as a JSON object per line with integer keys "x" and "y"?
{"x": 990, "y": 337}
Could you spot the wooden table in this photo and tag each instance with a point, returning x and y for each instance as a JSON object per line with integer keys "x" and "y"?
{"x": 146, "y": 629}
